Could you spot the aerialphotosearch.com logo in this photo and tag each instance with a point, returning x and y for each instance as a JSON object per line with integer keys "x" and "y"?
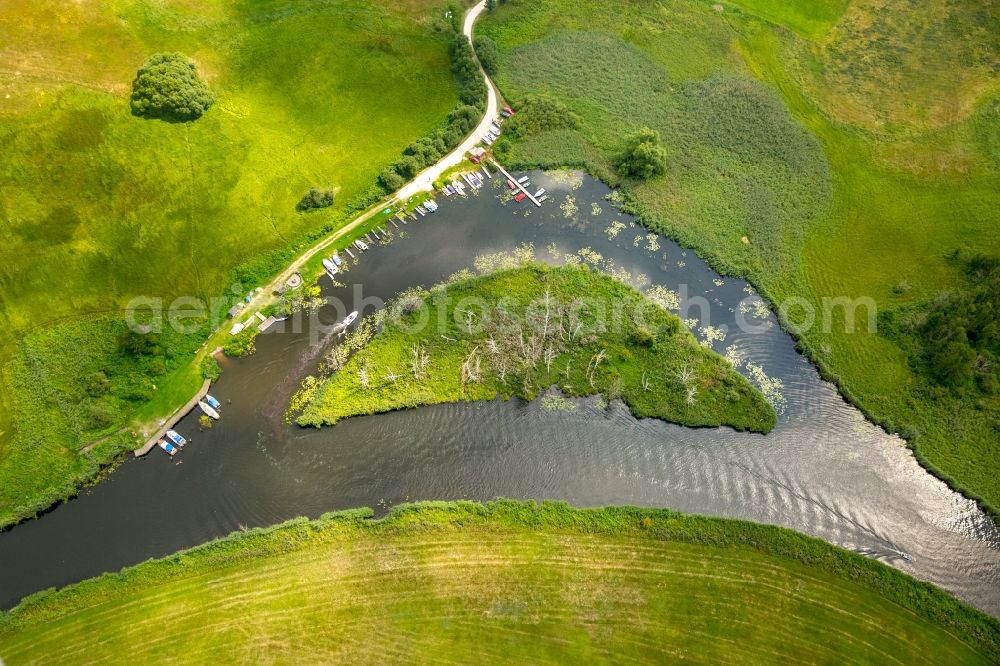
{"x": 417, "y": 310}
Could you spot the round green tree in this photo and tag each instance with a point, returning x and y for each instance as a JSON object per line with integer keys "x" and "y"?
{"x": 643, "y": 156}
{"x": 167, "y": 86}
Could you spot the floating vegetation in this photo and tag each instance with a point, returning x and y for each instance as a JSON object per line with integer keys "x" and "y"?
{"x": 711, "y": 334}
{"x": 591, "y": 256}
{"x": 652, "y": 243}
{"x": 613, "y": 230}
{"x": 718, "y": 282}
{"x": 756, "y": 308}
{"x": 595, "y": 210}
{"x": 691, "y": 322}
{"x": 569, "y": 207}
{"x": 771, "y": 387}
{"x": 681, "y": 264}
{"x": 637, "y": 241}
{"x": 615, "y": 198}
{"x": 554, "y": 402}
{"x": 668, "y": 299}
{"x": 498, "y": 261}
{"x": 735, "y": 356}
{"x": 572, "y": 179}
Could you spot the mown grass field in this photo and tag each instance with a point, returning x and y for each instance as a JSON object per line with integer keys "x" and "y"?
{"x": 523, "y": 330}
{"x": 822, "y": 150}
{"x": 508, "y": 581}
{"x": 98, "y": 206}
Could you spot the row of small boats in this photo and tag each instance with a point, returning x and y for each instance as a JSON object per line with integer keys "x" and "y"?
{"x": 173, "y": 441}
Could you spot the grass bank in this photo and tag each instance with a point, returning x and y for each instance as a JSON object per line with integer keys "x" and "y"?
{"x": 523, "y": 330}
{"x": 98, "y": 206}
{"x": 504, "y": 581}
{"x": 822, "y": 150}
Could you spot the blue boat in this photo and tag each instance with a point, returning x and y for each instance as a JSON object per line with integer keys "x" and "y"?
{"x": 170, "y": 449}
{"x": 176, "y": 439}
{"x": 336, "y": 259}
{"x": 213, "y": 402}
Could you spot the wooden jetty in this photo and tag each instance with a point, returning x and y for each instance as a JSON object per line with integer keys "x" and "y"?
{"x": 174, "y": 419}
{"x": 519, "y": 185}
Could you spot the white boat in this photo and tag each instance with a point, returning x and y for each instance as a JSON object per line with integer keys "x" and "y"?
{"x": 331, "y": 268}
{"x": 208, "y": 409}
{"x": 212, "y": 401}
{"x": 176, "y": 439}
{"x": 420, "y": 209}
{"x": 431, "y": 205}
{"x": 544, "y": 197}
{"x": 170, "y": 449}
{"x": 349, "y": 319}
{"x": 522, "y": 180}
{"x": 336, "y": 259}
{"x": 361, "y": 245}
{"x": 540, "y": 192}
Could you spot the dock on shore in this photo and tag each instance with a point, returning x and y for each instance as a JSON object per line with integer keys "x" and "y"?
{"x": 519, "y": 185}
{"x": 173, "y": 420}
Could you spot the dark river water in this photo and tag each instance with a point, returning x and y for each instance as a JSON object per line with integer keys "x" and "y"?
{"x": 824, "y": 469}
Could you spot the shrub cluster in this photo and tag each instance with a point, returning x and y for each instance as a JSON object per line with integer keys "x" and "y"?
{"x": 955, "y": 340}
{"x": 488, "y": 53}
{"x": 644, "y": 156}
{"x": 167, "y": 86}
{"x": 539, "y": 113}
{"x": 461, "y": 120}
{"x": 315, "y": 198}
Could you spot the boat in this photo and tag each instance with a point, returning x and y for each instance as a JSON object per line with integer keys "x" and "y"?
{"x": 420, "y": 209}
{"x": 349, "y": 319}
{"x": 431, "y": 206}
{"x": 510, "y": 184}
{"x": 168, "y": 447}
{"x": 208, "y": 409}
{"x": 336, "y": 259}
{"x": 544, "y": 197}
{"x": 330, "y": 267}
{"x": 522, "y": 180}
{"x": 213, "y": 402}
{"x": 540, "y": 192}
{"x": 176, "y": 439}
{"x": 520, "y": 197}
{"x": 361, "y": 245}
{"x": 488, "y": 141}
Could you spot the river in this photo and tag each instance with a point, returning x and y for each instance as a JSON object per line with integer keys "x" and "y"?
{"x": 823, "y": 470}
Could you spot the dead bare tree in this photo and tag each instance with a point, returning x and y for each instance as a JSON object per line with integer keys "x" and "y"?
{"x": 363, "y": 378}
{"x": 595, "y": 361}
{"x": 470, "y": 368}
{"x": 692, "y": 392}
{"x": 391, "y": 376}
{"x": 685, "y": 374}
{"x": 419, "y": 362}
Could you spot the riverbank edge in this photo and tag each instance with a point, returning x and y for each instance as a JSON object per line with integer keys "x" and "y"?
{"x": 647, "y": 219}
{"x": 927, "y": 601}
{"x": 99, "y": 467}
{"x": 539, "y": 269}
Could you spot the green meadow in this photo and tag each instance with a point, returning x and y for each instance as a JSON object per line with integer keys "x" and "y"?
{"x": 821, "y": 149}
{"x": 98, "y": 206}
{"x": 507, "y": 581}
{"x": 524, "y": 330}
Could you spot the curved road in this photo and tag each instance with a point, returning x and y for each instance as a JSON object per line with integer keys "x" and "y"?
{"x": 425, "y": 179}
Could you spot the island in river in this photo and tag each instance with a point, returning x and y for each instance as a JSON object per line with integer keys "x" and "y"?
{"x": 524, "y": 330}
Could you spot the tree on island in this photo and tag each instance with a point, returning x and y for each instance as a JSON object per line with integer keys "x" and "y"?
{"x": 644, "y": 155}
{"x": 167, "y": 87}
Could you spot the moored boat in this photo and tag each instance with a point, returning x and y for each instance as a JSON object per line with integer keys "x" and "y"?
{"x": 176, "y": 438}
{"x": 169, "y": 448}
{"x": 212, "y": 401}
{"x": 208, "y": 409}
{"x": 331, "y": 268}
